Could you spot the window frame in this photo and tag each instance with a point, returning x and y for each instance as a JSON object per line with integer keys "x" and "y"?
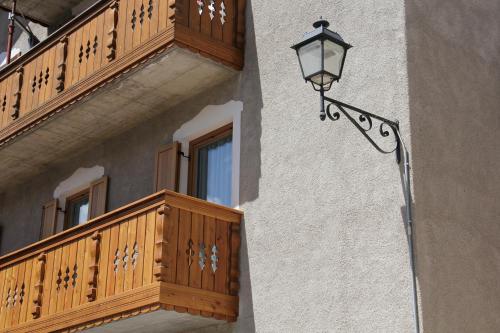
{"x": 68, "y": 214}
{"x": 194, "y": 147}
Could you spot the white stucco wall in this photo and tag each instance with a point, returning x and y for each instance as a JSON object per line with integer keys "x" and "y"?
{"x": 326, "y": 241}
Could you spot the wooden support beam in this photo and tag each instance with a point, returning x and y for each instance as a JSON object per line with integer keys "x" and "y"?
{"x": 160, "y": 268}
{"x": 94, "y": 266}
{"x": 112, "y": 17}
{"x": 17, "y": 87}
{"x": 39, "y": 280}
{"x": 62, "y": 53}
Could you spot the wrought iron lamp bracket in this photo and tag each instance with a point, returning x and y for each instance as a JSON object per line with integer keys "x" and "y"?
{"x": 364, "y": 122}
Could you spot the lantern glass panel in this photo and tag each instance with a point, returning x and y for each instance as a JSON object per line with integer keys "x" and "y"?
{"x": 310, "y": 58}
{"x": 334, "y": 55}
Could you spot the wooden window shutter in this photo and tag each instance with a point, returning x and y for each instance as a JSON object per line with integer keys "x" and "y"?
{"x": 167, "y": 168}
{"x": 49, "y": 219}
{"x": 97, "y": 198}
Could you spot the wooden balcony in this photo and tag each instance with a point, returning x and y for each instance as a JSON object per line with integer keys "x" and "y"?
{"x": 163, "y": 261}
{"x": 116, "y": 64}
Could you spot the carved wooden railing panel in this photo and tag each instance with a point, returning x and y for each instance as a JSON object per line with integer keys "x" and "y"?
{"x": 117, "y": 33}
{"x": 212, "y": 23}
{"x": 166, "y": 238}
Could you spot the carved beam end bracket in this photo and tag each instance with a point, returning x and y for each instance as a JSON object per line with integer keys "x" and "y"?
{"x": 112, "y": 17}
{"x": 39, "y": 279}
{"x": 94, "y": 266}
{"x": 171, "y": 11}
{"x": 160, "y": 268}
{"x": 62, "y": 53}
{"x": 17, "y": 87}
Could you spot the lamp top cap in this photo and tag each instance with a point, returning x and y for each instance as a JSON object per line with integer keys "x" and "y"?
{"x": 321, "y": 23}
{"x": 321, "y": 32}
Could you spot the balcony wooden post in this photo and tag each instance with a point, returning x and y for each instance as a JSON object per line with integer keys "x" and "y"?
{"x": 181, "y": 13}
{"x": 234, "y": 273}
{"x": 240, "y": 29}
{"x": 94, "y": 266}
{"x": 62, "y": 53}
{"x": 171, "y": 11}
{"x": 112, "y": 17}
{"x": 160, "y": 268}
{"x": 17, "y": 87}
{"x": 39, "y": 280}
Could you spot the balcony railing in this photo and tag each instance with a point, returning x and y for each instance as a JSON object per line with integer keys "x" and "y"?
{"x": 108, "y": 40}
{"x": 166, "y": 251}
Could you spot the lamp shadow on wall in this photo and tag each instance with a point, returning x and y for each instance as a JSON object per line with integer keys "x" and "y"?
{"x": 455, "y": 135}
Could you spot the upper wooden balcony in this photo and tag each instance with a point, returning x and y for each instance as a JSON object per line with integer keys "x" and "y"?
{"x": 108, "y": 69}
{"x": 168, "y": 262}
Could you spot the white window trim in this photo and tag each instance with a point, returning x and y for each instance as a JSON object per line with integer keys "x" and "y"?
{"x": 209, "y": 119}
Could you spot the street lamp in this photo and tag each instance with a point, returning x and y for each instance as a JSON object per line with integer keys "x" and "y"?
{"x": 322, "y": 54}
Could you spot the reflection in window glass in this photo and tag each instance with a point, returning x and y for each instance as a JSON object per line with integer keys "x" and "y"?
{"x": 78, "y": 209}
{"x": 214, "y": 172}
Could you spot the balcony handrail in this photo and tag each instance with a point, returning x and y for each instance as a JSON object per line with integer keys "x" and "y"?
{"x": 79, "y": 231}
{"x": 116, "y": 216}
{"x": 70, "y": 26}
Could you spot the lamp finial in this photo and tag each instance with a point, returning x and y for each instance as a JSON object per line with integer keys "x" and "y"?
{"x": 321, "y": 23}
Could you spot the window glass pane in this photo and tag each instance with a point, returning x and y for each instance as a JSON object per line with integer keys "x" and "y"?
{"x": 79, "y": 210}
{"x": 215, "y": 172}
{"x": 83, "y": 215}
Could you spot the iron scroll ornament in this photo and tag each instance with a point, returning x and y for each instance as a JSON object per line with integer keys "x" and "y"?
{"x": 365, "y": 123}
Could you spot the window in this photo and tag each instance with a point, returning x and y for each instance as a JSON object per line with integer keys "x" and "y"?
{"x": 211, "y": 166}
{"x": 77, "y": 209}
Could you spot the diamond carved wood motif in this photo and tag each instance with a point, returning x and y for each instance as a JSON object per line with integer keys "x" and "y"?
{"x": 214, "y": 258}
{"x": 201, "y": 6}
{"x": 190, "y": 253}
{"x": 134, "y": 19}
{"x": 135, "y": 255}
{"x": 211, "y": 9}
{"x": 116, "y": 262}
{"x": 222, "y": 13}
{"x": 142, "y": 14}
{"x": 202, "y": 256}
{"x": 150, "y": 9}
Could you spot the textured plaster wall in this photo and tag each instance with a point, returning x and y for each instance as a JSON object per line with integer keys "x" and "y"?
{"x": 454, "y": 86}
{"x": 325, "y": 234}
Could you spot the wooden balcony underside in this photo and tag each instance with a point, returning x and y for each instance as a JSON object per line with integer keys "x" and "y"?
{"x": 93, "y": 63}
{"x": 141, "y": 258}
{"x": 144, "y": 92}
